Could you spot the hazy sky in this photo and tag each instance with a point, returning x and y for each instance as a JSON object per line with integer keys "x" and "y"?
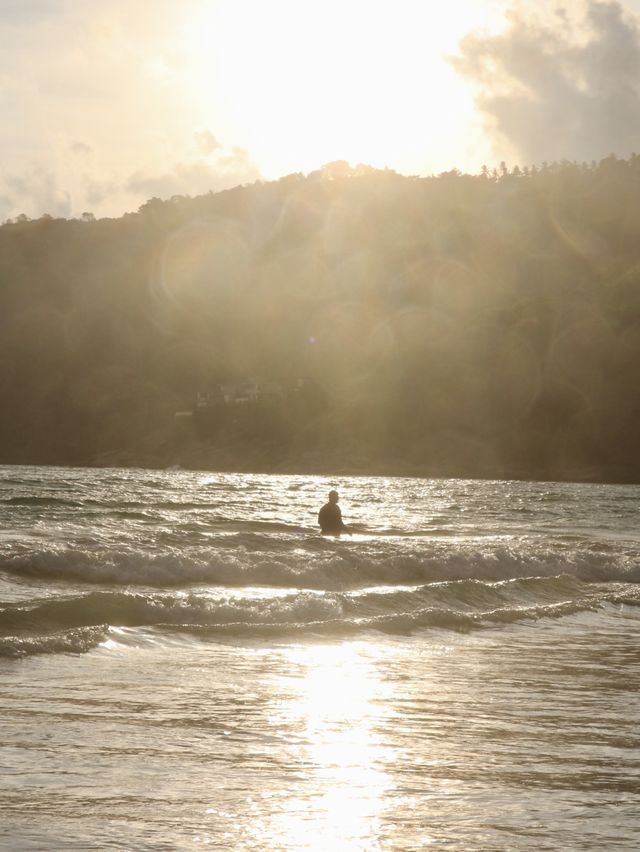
{"x": 106, "y": 103}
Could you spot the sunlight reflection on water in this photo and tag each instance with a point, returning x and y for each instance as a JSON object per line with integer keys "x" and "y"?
{"x": 337, "y": 709}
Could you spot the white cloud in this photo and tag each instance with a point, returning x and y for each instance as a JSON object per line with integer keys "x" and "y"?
{"x": 19, "y": 12}
{"x": 193, "y": 178}
{"x": 88, "y": 121}
{"x": 79, "y": 147}
{"x": 563, "y": 88}
{"x": 206, "y": 141}
{"x": 33, "y": 193}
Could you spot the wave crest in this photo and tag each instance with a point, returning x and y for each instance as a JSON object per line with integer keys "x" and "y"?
{"x": 67, "y": 623}
{"x": 320, "y": 565}
{"x": 77, "y": 641}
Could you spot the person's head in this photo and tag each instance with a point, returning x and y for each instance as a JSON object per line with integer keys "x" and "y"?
{"x": 333, "y": 497}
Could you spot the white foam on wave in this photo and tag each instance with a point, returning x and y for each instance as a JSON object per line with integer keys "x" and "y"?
{"x": 80, "y": 622}
{"x": 74, "y": 641}
{"x": 202, "y": 609}
{"x": 330, "y": 567}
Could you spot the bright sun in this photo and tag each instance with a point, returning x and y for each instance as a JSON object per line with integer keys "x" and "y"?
{"x": 303, "y": 83}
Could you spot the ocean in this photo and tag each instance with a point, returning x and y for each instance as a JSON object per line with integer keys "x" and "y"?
{"x": 185, "y": 663}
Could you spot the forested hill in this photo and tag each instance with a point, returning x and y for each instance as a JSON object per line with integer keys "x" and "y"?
{"x": 461, "y": 325}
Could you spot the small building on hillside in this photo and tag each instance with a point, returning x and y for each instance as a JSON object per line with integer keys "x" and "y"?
{"x": 240, "y": 393}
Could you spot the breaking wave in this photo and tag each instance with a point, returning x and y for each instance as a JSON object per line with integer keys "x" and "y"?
{"x": 77, "y": 623}
{"x": 321, "y": 565}
{"x": 77, "y": 641}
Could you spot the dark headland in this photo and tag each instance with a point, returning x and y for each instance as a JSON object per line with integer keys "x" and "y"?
{"x": 347, "y": 321}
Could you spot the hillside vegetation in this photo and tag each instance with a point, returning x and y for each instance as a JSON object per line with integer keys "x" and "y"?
{"x": 464, "y": 325}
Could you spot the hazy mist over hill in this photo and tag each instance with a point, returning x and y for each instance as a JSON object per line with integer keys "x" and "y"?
{"x": 470, "y": 325}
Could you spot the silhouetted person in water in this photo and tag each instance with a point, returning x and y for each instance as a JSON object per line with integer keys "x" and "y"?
{"x": 330, "y": 516}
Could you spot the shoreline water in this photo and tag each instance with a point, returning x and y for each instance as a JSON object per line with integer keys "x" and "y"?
{"x": 186, "y": 663}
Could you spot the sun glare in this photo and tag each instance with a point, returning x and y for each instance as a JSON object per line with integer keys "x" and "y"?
{"x": 338, "y": 711}
{"x": 305, "y": 83}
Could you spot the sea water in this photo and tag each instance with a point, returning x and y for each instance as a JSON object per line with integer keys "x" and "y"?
{"x": 185, "y": 663}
